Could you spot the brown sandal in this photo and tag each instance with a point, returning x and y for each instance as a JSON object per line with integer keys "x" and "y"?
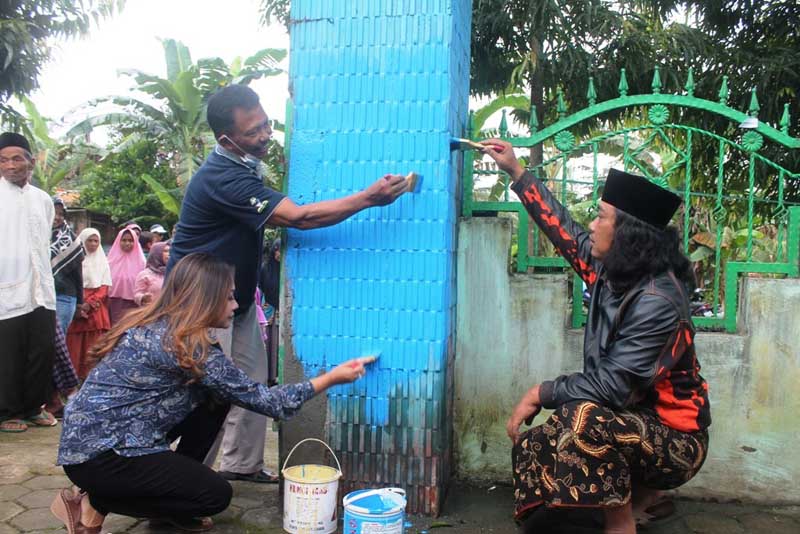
{"x": 43, "y": 418}
{"x": 67, "y": 507}
{"x": 13, "y": 426}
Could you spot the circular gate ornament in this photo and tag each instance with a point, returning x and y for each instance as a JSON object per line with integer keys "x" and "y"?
{"x": 564, "y": 141}
{"x": 658, "y": 114}
{"x": 752, "y": 141}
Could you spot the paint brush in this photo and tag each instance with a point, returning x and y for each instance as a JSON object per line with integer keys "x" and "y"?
{"x": 366, "y": 360}
{"x": 458, "y": 143}
{"x": 413, "y": 182}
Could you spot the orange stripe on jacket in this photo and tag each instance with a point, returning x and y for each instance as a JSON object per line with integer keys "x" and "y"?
{"x": 680, "y": 414}
{"x": 569, "y": 247}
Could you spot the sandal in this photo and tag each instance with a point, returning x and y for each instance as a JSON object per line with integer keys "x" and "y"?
{"x": 13, "y": 426}
{"x": 661, "y": 509}
{"x": 259, "y": 477}
{"x": 43, "y": 418}
{"x": 67, "y": 507}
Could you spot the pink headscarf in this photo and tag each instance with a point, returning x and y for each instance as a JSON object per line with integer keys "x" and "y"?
{"x": 124, "y": 266}
{"x": 134, "y": 226}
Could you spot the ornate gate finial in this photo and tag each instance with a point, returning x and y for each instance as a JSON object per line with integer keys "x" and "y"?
{"x": 785, "y": 119}
{"x": 754, "y": 107}
{"x": 690, "y": 82}
{"x": 591, "y": 94}
{"x": 623, "y": 84}
{"x": 562, "y": 106}
{"x": 723, "y": 91}
{"x": 656, "y": 85}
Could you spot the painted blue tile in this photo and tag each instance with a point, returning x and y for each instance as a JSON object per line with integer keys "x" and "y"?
{"x": 380, "y": 89}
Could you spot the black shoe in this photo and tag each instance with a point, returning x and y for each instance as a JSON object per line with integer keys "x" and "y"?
{"x": 259, "y": 477}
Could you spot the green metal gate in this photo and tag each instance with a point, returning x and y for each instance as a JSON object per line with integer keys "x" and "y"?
{"x": 749, "y": 228}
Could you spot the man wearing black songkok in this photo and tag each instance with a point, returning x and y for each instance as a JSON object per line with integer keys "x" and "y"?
{"x": 27, "y": 291}
{"x": 635, "y": 420}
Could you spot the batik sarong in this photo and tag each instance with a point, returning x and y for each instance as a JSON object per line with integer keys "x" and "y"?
{"x": 586, "y": 455}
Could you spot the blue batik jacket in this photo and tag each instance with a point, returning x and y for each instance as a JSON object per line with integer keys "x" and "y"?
{"x": 138, "y": 393}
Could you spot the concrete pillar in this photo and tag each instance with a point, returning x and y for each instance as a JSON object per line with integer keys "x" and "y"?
{"x": 378, "y": 86}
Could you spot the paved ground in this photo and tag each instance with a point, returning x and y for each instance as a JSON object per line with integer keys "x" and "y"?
{"x": 28, "y": 480}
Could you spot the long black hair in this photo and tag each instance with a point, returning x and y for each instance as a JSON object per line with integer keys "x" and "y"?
{"x": 640, "y": 249}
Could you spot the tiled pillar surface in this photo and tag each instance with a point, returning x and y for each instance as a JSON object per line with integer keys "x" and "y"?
{"x": 378, "y": 86}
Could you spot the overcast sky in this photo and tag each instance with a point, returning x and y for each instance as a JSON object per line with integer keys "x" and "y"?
{"x": 86, "y": 68}
{"x": 83, "y": 69}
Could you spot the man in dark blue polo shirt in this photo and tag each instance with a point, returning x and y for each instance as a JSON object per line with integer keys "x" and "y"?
{"x": 224, "y": 212}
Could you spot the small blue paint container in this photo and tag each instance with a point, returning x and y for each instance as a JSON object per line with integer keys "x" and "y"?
{"x": 375, "y": 511}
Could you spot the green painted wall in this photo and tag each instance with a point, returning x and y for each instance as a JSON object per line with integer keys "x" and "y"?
{"x": 512, "y": 332}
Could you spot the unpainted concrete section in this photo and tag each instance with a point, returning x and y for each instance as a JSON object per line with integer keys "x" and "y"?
{"x": 504, "y": 344}
{"x": 310, "y": 421}
{"x": 512, "y": 333}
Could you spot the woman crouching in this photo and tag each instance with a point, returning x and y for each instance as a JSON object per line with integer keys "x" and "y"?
{"x": 161, "y": 376}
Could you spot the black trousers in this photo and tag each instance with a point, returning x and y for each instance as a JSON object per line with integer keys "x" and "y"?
{"x": 27, "y": 352}
{"x": 163, "y": 485}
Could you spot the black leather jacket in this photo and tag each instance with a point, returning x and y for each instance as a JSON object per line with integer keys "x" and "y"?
{"x": 638, "y": 348}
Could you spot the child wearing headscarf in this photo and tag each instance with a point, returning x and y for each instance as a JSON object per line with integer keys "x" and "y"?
{"x": 92, "y": 319}
{"x": 149, "y": 281}
{"x": 66, "y": 255}
{"x": 126, "y": 261}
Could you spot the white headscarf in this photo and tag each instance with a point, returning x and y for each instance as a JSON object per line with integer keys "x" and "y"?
{"x": 96, "y": 272}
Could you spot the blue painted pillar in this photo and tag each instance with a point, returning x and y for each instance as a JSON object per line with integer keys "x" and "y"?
{"x": 378, "y": 86}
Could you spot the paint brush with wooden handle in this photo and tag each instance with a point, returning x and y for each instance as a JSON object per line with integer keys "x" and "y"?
{"x": 366, "y": 360}
{"x": 458, "y": 143}
{"x": 413, "y": 182}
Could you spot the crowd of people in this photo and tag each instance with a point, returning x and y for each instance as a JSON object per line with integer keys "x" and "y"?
{"x": 92, "y": 291}
{"x": 171, "y": 330}
{"x": 170, "y": 342}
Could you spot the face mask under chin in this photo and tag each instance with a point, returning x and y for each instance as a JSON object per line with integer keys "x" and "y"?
{"x": 255, "y": 164}
{"x": 248, "y": 159}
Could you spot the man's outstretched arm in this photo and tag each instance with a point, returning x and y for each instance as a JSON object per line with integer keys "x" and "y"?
{"x": 329, "y": 212}
{"x": 570, "y": 238}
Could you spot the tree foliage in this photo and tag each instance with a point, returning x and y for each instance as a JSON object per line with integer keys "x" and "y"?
{"x": 554, "y": 46}
{"x": 274, "y": 10}
{"x": 172, "y": 110}
{"x": 27, "y": 28}
{"x": 116, "y": 186}
{"x": 545, "y": 45}
{"x": 55, "y": 161}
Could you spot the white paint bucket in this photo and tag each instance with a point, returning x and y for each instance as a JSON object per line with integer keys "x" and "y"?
{"x": 375, "y": 511}
{"x": 310, "y": 495}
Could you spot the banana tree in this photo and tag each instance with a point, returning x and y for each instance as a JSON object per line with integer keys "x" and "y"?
{"x": 172, "y": 110}
{"x": 55, "y": 161}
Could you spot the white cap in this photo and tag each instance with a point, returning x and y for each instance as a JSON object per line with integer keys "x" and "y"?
{"x": 158, "y": 229}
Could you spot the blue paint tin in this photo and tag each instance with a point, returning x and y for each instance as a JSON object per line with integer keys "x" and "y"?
{"x": 375, "y": 511}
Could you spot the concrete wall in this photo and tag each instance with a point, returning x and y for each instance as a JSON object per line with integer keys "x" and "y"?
{"x": 512, "y": 333}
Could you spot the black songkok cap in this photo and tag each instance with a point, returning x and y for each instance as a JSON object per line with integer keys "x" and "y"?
{"x": 14, "y": 139}
{"x": 641, "y": 198}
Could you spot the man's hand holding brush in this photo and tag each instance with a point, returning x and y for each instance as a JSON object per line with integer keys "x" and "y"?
{"x": 503, "y": 154}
